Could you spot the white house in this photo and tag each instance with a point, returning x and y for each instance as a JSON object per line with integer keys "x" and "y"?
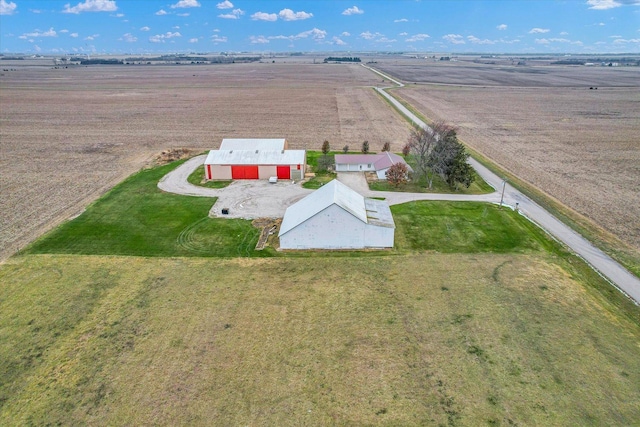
{"x": 255, "y": 159}
{"x": 337, "y": 217}
{"x": 379, "y": 163}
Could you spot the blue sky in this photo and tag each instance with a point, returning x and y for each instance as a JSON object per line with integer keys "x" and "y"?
{"x": 456, "y": 26}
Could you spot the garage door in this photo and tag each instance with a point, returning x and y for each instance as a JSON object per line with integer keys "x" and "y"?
{"x": 244, "y": 172}
{"x": 284, "y": 172}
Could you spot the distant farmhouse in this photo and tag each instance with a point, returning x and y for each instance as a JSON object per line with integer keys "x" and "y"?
{"x": 255, "y": 159}
{"x": 378, "y": 163}
{"x": 337, "y": 217}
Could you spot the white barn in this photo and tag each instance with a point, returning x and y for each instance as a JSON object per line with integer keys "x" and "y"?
{"x": 255, "y": 159}
{"x": 378, "y": 163}
{"x": 337, "y": 217}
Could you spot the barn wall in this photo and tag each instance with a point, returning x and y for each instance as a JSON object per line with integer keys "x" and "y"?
{"x": 266, "y": 172}
{"x": 379, "y": 237}
{"x": 221, "y": 172}
{"x": 332, "y": 228}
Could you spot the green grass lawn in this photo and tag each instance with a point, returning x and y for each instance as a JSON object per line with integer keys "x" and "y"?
{"x": 197, "y": 178}
{"x": 319, "y": 180}
{"x": 137, "y": 218}
{"x": 465, "y": 227}
{"x": 478, "y": 186}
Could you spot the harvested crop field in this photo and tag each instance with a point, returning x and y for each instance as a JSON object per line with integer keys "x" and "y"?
{"x": 68, "y": 135}
{"x": 576, "y": 144}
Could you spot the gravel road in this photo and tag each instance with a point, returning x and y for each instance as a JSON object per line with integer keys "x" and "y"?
{"x": 601, "y": 262}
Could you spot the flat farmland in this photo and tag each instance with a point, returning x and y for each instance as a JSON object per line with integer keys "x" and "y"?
{"x": 578, "y": 145}
{"x": 68, "y": 135}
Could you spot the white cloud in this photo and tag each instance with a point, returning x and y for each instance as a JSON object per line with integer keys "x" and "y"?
{"x": 185, "y": 3}
{"x": 454, "y": 38}
{"x": 160, "y": 38}
{"x": 353, "y": 11}
{"x": 539, "y": 30}
{"x": 145, "y": 28}
{"x": 92, "y": 37}
{"x": 262, "y": 16}
{"x": 338, "y": 41}
{"x": 30, "y": 10}
{"x": 193, "y": 40}
{"x": 475, "y": 40}
{"x": 128, "y": 37}
{"x": 37, "y": 33}
{"x": 345, "y": 34}
{"x": 502, "y": 27}
{"x": 401, "y": 20}
{"x": 7, "y": 8}
{"x": 91, "y": 6}
{"x": 417, "y": 38}
{"x": 235, "y": 14}
{"x": 404, "y": 33}
{"x": 65, "y": 31}
{"x": 176, "y": 27}
{"x": 557, "y": 40}
{"x": 564, "y": 33}
{"x": 226, "y": 4}
{"x": 315, "y": 34}
{"x": 258, "y": 40}
{"x": 184, "y": 14}
{"x": 610, "y": 4}
{"x": 622, "y": 41}
{"x": 218, "y": 39}
{"x": 161, "y": 12}
{"x": 290, "y": 15}
{"x": 119, "y": 15}
{"x": 367, "y": 35}
{"x": 74, "y": 35}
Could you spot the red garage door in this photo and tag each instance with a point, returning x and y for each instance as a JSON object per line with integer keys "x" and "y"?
{"x": 284, "y": 172}
{"x": 244, "y": 172}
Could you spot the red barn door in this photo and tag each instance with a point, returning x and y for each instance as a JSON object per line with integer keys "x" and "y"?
{"x": 284, "y": 172}
{"x": 244, "y": 172}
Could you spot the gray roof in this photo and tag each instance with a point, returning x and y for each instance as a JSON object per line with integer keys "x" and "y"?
{"x": 380, "y": 161}
{"x": 366, "y": 210}
{"x": 253, "y": 144}
{"x": 255, "y": 157}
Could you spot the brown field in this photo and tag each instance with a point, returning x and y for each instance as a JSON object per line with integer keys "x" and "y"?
{"x": 68, "y": 135}
{"x": 578, "y": 145}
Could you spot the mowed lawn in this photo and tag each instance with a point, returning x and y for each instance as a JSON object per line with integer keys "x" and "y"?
{"x": 417, "y": 339}
{"x": 136, "y": 218}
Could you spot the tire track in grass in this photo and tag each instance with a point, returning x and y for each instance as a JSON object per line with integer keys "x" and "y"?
{"x": 186, "y": 238}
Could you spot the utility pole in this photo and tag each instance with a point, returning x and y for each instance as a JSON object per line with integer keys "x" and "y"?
{"x": 504, "y": 184}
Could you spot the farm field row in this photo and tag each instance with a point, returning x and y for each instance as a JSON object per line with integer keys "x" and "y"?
{"x": 68, "y": 135}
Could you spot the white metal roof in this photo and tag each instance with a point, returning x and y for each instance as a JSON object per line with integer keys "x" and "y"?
{"x": 253, "y": 144}
{"x": 335, "y": 192}
{"x": 255, "y": 157}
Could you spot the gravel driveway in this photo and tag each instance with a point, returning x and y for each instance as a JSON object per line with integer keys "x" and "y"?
{"x": 244, "y": 199}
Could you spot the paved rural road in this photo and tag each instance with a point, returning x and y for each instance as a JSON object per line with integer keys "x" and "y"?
{"x": 600, "y": 261}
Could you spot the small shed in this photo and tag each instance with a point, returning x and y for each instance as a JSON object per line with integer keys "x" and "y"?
{"x": 255, "y": 159}
{"x": 378, "y": 163}
{"x": 337, "y": 217}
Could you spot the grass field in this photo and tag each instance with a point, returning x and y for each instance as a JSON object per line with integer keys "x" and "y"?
{"x": 136, "y": 218}
{"x": 435, "y": 339}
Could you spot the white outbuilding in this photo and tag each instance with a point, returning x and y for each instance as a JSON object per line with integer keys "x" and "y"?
{"x": 378, "y": 163}
{"x": 255, "y": 159}
{"x": 337, "y": 217}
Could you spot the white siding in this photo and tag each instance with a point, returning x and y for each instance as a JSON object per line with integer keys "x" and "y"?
{"x": 332, "y": 228}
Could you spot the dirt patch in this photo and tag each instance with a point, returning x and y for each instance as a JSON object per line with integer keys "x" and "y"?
{"x": 173, "y": 155}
